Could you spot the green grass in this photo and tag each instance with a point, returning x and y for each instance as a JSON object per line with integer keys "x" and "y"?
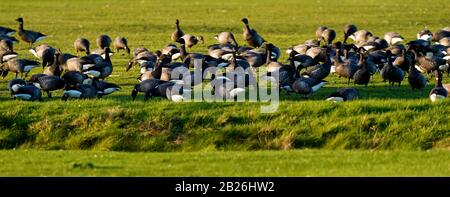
{"x": 384, "y": 117}
{"x": 260, "y": 163}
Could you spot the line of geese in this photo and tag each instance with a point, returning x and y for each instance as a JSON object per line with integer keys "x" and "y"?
{"x": 309, "y": 63}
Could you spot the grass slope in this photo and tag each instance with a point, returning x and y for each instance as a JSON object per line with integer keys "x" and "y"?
{"x": 384, "y": 118}
{"x": 259, "y": 163}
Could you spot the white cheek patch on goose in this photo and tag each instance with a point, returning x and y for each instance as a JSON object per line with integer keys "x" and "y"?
{"x": 34, "y": 52}
{"x": 73, "y": 93}
{"x": 23, "y": 96}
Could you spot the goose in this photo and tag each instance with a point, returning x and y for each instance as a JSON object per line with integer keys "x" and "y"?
{"x": 426, "y": 64}
{"x": 361, "y": 36}
{"x": 77, "y": 64}
{"x": 420, "y": 46}
{"x": 73, "y": 78}
{"x": 103, "y": 87}
{"x": 320, "y": 71}
{"x": 171, "y": 91}
{"x": 415, "y": 78}
{"x": 438, "y": 92}
{"x": 390, "y": 72}
{"x": 224, "y": 88}
{"x": 172, "y": 50}
{"x": 374, "y": 43}
{"x": 20, "y": 90}
{"x": 146, "y": 87}
{"x": 438, "y": 35}
{"x": 251, "y": 36}
{"x": 328, "y": 35}
{"x": 63, "y": 57}
{"x": 54, "y": 69}
{"x": 103, "y": 41}
{"x": 144, "y": 58}
{"x": 191, "y": 56}
{"x": 7, "y": 31}
{"x": 44, "y": 52}
{"x": 81, "y": 91}
{"x": 319, "y": 32}
{"x": 226, "y": 37}
{"x": 121, "y": 43}
{"x": 375, "y": 61}
{"x": 255, "y": 58}
{"x": 344, "y": 68}
{"x": 93, "y": 58}
{"x": 306, "y": 86}
{"x": 19, "y": 66}
{"x": 221, "y": 51}
{"x": 343, "y": 94}
{"x": 190, "y": 40}
{"x": 48, "y": 83}
{"x": 404, "y": 60}
{"x": 13, "y": 82}
{"x": 102, "y": 69}
{"x": 82, "y": 44}
{"x": 425, "y": 35}
{"x": 9, "y": 38}
{"x": 6, "y": 45}
{"x": 319, "y": 54}
{"x": 362, "y": 75}
{"x": 275, "y": 52}
{"x": 177, "y": 34}
{"x": 397, "y": 49}
{"x": 393, "y": 38}
{"x": 102, "y": 52}
{"x": 29, "y": 36}
{"x": 300, "y": 62}
{"x": 349, "y": 30}
{"x": 300, "y": 49}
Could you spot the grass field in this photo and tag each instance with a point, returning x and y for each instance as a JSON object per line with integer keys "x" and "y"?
{"x": 385, "y": 118}
{"x": 259, "y": 163}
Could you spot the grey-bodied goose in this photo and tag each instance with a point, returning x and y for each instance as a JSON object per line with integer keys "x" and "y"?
{"x": 393, "y": 38}
{"x": 343, "y": 94}
{"x": 178, "y": 33}
{"x": 391, "y": 73}
{"x": 20, "y": 90}
{"x": 251, "y": 36}
{"x": 103, "y": 41}
{"x": 19, "y": 66}
{"x": 349, "y": 30}
{"x": 48, "y": 83}
{"x": 121, "y": 43}
{"x": 82, "y": 44}
{"x": 226, "y": 37}
{"x": 191, "y": 40}
{"x": 29, "y": 36}
{"x": 44, "y": 52}
{"x": 83, "y": 91}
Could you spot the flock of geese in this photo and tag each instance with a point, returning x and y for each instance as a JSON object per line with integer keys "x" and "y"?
{"x": 309, "y": 63}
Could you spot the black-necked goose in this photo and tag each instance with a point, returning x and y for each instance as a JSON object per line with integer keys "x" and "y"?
{"x": 103, "y": 41}
{"x": 343, "y": 94}
{"x": 48, "y": 83}
{"x": 300, "y": 49}
{"x": 251, "y": 36}
{"x": 404, "y": 60}
{"x": 29, "y": 36}
{"x": 19, "y": 66}
{"x": 171, "y": 91}
{"x": 320, "y": 71}
{"x": 178, "y": 33}
{"x": 73, "y": 78}
{"x": 349, "y": 30}
{"x": 20, "y": 90}
{"x": 226, "y": 37}
{"x": 224, "y": 88}
{"x": 146, "y": 87}
{"x": 44, "y": 52}
{"x": 102, "y": 69}
{"x": 83, "y": 91}
{"x": 438, "y": 92}
{"x": 438, "y": 35}
{"x": 103, "y": 87}
{"x": 144, "y": 59}
{"x": 306, "y": 86}
{"x": 121, "y": 43}
{"x": 391, "y": 73}
{"x": 427, "y": 64}
{"x": 299, "y": 62}
{"x": 7, "y": 31}
{"x": 184, "y": 55}
{"x": 415, "y": 77}
{"x": 362, "y": 75}
{"x": 393, "y": 38}
{"x": 275, "y": 52}
{"x": 82, "y": 44}
{"x": 172, "y": 50}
